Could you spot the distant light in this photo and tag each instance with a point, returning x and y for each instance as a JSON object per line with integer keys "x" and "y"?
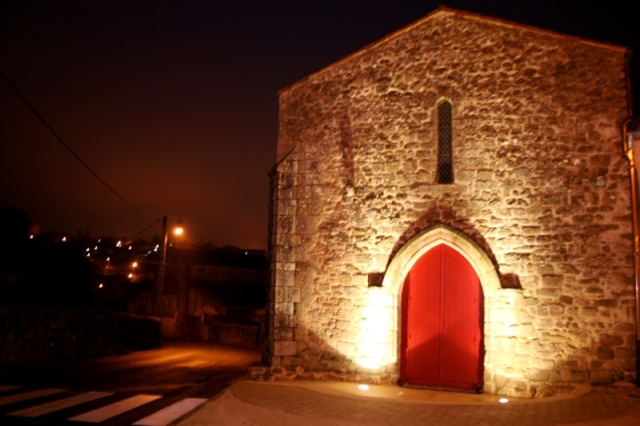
{"x": 87, "y": 249}
{"x": 118, "y": 244}
{"x": 88, "y": 254}
{"x": 99, "y": 239}
{"x": 95, "y": 248}
{"x": 134, "y": 264}
{"x": 31, "y": 237}
{"x": 246, "y": 253}
{"x": 108, "y": 259}
{"x": 363, "y": 387}
{"x": 503, "y": 400}
{"x": 130, "y": 275}
{"x": 64, "y": 238}
{"x": 100, "y": 285}
{"x": 179, "y": 230}
{"x": 129, "y": 247}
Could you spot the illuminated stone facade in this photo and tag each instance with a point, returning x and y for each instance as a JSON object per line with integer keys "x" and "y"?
{"x": 539, "y": 204}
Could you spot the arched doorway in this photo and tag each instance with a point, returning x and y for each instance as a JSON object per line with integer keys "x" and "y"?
{"x": 442, "y": 322}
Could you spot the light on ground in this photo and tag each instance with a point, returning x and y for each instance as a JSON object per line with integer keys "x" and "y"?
{"x": 363, "y": 387}
{"x": 503, "y": 400}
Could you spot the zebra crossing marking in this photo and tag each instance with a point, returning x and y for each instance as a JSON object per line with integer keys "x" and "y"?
{"x": 61, "y": 404}
{"x": 170, "y": 413}
{"x": 6, "y": 400}
{"x": 162, "y": 417}
{"x": 112, "y": 410}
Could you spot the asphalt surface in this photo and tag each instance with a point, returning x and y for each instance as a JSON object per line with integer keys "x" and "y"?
{"x": 180, "y": 370}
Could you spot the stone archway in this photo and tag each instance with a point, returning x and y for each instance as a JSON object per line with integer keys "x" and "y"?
{"x": 420, "y": 244}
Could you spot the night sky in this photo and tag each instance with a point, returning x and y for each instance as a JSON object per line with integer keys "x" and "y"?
{"x": 174, "y": 104}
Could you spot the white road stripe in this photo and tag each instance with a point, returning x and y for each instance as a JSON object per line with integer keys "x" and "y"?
{"x": 106, "y": 412}
{"x": 8, "y": 388}
{"x": 170, "y": 413}
{"x": 61, "y": 404}
{"x": 28, "y": 395}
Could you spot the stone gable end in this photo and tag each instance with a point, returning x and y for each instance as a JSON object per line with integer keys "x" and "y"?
{"x": 539, "y": 206}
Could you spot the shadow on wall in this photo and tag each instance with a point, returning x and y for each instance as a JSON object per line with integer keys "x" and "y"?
{"x": 317, "y": 359}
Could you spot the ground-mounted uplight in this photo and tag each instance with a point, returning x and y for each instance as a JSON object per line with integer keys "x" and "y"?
{"x": 363, "y": 387}
{"x": 503, "y": 400}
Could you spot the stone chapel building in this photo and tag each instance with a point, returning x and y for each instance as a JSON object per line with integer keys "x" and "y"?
{"x": 451, "y": 208}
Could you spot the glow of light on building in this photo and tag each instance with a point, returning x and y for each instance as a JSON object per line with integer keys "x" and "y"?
{"x": 376, "y": 347}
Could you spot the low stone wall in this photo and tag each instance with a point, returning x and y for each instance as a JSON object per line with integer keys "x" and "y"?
{"x": 233, "y": 330}
{"x": 32, "y": 334}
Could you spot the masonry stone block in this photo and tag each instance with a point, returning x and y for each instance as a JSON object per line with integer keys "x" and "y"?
{"x": 610, "y": 340}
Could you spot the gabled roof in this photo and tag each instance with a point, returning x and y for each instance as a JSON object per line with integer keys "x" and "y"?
{"x": 442, "y": 11}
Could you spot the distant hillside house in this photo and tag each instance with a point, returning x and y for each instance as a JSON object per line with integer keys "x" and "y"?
{"x": 451, "y": 208}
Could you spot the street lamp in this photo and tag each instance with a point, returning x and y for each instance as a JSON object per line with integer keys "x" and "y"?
{"x": 178, "y": 230}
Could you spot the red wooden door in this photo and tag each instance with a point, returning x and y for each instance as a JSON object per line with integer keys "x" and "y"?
{"x": 442, "y": 320}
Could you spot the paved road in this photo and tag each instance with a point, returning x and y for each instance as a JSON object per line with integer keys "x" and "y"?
{"x": 144, "y": 382}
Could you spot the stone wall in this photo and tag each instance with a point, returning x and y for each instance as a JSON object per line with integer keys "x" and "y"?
{"x": 234, "y": 330}
{"x": 541, "y": 190}
{"x": 35, "y": 334}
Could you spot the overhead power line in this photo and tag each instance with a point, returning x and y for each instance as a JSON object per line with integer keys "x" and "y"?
{"x": 59, "y": 139}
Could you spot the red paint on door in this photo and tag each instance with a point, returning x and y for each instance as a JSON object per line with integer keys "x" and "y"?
{"x": 442, "y": 321}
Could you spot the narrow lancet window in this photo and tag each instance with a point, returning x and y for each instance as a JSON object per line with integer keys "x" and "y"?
{"x": 445, "y": 137}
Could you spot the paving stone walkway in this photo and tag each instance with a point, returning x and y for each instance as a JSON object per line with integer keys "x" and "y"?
{"x": 291, "y": 403}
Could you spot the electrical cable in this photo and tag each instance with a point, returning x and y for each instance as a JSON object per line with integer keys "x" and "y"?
{"x": 59, "y": 138}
